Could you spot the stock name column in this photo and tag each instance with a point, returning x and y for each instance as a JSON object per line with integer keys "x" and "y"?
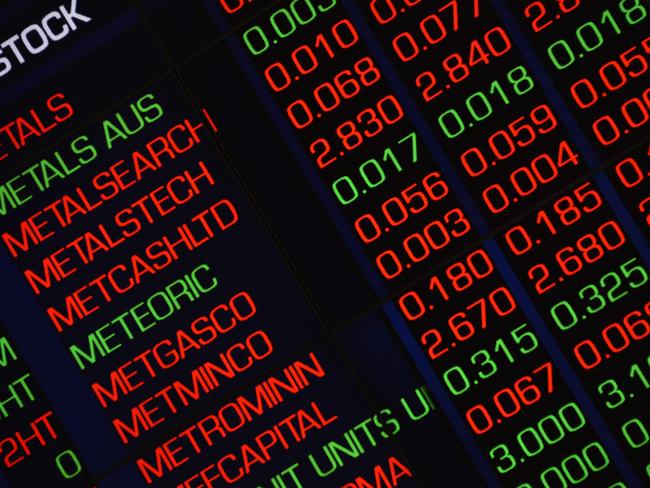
{"x": 51, "y": 55}
{"x": 149, "y": 266}
{"x": 308, "y": 108}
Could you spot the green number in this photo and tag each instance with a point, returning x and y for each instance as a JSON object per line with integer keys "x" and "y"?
{"x": 565, "y": 49}
{"x": 500, "y": 345}
{"x": 627, "y": 272}
{"x": 495, "y": 87}
{"x": 298, "y": 16}
{"x": 486, "y": 362}
{"x": 288, "y": 20}
{"x": 262, "y": 37}
{"x": 595, "y": 32}
{"x": 284, "y": 22}
{"x": 557, "y": 473}
{"x": 641, "y": 433}
{"x": 327, "y": 7}
{"x": 608, "y": 17}
{"x": 604, "y": 458}
{"x": 336, "y": 186}
{"x": 525, "y": 336}
{"x": 73, "y": 465}
{"x": 636, "y": 371}
{"x": 379, "y": 176}
{"x": 597, "y": 297}
{"x": 463, "y": 377}
{"x": 486, "y": 107}
{"x": 414, "y": 147}
{"x": 634, "y": 13}
{"x": 372, "y": 172}
{"x": 457, "y": 121}
{"x": 559, "y": 322}
{"x": 542, "y": 425}
{"x": 576, "y": 410}
{"x": 549, "y": 430}
{"x": 578, "y": 464}
{"x": 539, "y": 447}
{"x": 615, "y": 397}
{"x": 522, "y": 78}
{"x": 505, "y": 456}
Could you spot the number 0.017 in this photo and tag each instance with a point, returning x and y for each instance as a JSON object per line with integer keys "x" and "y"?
{"x": 372, "y": 173}
{"x": 306, "y": 59}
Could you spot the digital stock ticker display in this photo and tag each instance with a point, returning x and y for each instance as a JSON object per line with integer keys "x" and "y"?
{"x": 325, "y": 243}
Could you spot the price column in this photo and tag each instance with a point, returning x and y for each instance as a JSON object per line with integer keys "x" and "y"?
{"x": 598, "y": 58}
{"x": 493, "y": 364}
{"x": 150, "y": 268}
{"x": 591, "y": 287}
{"x": 480, "y": 99}
{"x": 352, "y": 131}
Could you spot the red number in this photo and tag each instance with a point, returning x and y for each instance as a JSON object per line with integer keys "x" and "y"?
{"x": 414, "y": 311}
{"x": 485, "y": 418}
{"x": 285, "y": 77}
{"x": 629, "y": 173}
{"x": 538, "y": 18}
{"x": 427, "y": 81}
{"x": 508, "y": 401}
{"x": 542, "y": 284}
{"x": 461, "y": 327}
{"x": 590, "y": 362}
{"x": 320, "y": 160}
{"x": 228, "y": 5}
{"x": 437, "y": 341}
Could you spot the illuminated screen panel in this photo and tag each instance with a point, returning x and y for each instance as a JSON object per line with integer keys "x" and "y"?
{"x": 304, "y": 243}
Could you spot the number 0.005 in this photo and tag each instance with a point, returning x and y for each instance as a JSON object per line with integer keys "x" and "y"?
{"x": 479, "y": 105}
{"x": 284, "y": 22}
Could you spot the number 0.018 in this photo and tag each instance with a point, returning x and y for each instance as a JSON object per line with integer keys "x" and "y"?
{"x": 590, "y": 36}
{"x": 479, "y": 106}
